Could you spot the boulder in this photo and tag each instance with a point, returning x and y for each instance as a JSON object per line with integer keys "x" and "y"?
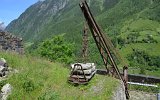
{"x": 2, "y": 71}
{"x": 6, "y": 91}
{"x": 3, "y": 62}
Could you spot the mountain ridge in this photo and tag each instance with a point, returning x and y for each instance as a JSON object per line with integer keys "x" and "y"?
{"x": 71, "y": 10}
{"x": 37, "y": 10}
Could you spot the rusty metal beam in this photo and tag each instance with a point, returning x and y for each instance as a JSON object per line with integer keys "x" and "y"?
{"x": 85, "y": 43}
{"x": 102, "y": 43}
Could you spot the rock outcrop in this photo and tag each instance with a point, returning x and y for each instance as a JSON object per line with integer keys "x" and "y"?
{"x": 9, "y": 42}
{"x": 119, "y": 94}
{"x": 3, "y": 67}
{"x": 5, "y": 91}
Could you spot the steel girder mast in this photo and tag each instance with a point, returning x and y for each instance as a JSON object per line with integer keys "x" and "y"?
{"x": 102, "y": 44}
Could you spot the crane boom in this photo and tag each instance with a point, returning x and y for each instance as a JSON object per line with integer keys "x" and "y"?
{"x": 102, "y": 43}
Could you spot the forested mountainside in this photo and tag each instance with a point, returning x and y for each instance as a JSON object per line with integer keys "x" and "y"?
{"x": 53, "y": 17}
{"x": 132, "y": 25}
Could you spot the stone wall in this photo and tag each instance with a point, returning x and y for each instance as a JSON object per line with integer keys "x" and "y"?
{"x": 9, "y": 42}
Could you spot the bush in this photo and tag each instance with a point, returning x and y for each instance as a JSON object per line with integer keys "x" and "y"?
{"x": 121, "y": 41}
{"x": 143, "y": 88}
{"x": 142, "y": 70}
{"x": 155, "y": 61}
{"x": 149, "y": 39}
{"x": 132, "y": 38}
{"x": 56, "y": 49}
{"x": 141, "y": 58}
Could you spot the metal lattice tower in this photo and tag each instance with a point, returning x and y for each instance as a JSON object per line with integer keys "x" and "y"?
{"x": 85, "y": 43}
{"x": 103, "y": 45}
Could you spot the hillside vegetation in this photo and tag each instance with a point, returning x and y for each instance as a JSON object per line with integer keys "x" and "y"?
{"x": 35, "y": 78}
{"x": 132, "y": 25}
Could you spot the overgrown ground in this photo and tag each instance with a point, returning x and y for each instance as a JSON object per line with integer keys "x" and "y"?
{"x": 37, "y": 78}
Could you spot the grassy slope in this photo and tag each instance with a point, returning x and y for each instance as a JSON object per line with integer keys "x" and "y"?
{"x": 142, "y": 18}
{"x": 41, "y": 79}
{"x": 144, "y": 25}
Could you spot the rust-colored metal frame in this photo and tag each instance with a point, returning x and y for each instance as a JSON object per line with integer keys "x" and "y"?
{"x": 85, "y": 44}
{"x": 102, "y": 44}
